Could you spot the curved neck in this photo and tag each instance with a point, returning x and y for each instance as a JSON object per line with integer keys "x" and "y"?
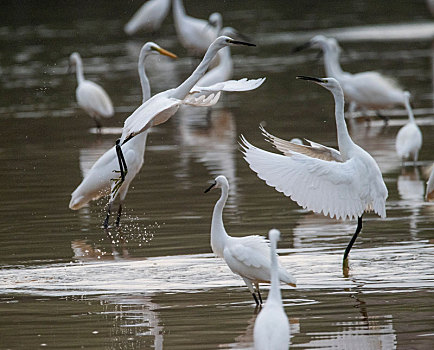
{"x": 274, "y": 294}
{"x": 79, "y": 70}
{"x": 178, "y": 9}
{"x": 182, "y": 90}
{"x": 331, "y": 63}
{"x": 344, "y": 140}
{"x": 409, "y": 109}
{"x": 144, "y": 81}
{"x": 218, "y": 232}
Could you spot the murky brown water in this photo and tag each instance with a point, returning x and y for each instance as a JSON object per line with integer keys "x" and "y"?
{"x": 64, "y": 285}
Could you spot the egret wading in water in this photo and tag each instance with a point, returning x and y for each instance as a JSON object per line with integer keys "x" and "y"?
{"x": 148, "y": 17}
{"x": 249, "y": 256}
{"x": 271, "y": 331}
{"x": 160, "y": 107}
{"x": 90, "y": 96}
{"x": 366, "y": 90}
{"x": 98, "y": 182}
{"x": 343, "y": 184}
{"x": 195, "y": 34}
{"x": 409, "y": 138}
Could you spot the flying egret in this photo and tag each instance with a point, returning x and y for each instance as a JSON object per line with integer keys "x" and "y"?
{"x": 409, "y": 137}
{"x": 148, "y": 17}
{"x": 90, "y": 96}
{"x": 342, "y": 184}
{"x": 365, "y": 90}
{"x": 249, "y": 256}
{"x": 98, "y": 181}
{"x": 429, "y": 195}
{"x": 195, "y": 34}
{"x": 271, "y": 331}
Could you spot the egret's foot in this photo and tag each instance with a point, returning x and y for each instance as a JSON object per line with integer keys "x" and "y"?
{"x": 118, "y": 181}
{"x": 106, "y": 222}
{"x": 345, "y": 267}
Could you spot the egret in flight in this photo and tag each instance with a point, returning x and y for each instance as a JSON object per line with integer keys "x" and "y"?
{"x": 249, "y": 256}
{"x": 98, "y": 182}
{"x": 148, "y": 17}
{"x": 90, "y": 96}
{"x": 342, "y": 184}
{"x": 409, "y": 137}
{"x": 195, "y": 34}
{"x": 365, "y": 90}
{"x": 271, "y": 331}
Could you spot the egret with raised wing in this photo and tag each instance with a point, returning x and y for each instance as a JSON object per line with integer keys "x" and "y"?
{"x": 98, "y": 181}
{"x": 249, "y": 256}
{"x": 409, "y": 138}
{"x": 90, "y": 96}
{"x": 271, "y": 331}
{"x": 343, "y": 184}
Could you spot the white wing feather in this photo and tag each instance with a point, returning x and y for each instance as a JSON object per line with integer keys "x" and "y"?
{"x": 231, "y": 85}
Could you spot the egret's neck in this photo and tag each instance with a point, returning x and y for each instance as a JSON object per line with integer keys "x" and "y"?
{"x": 409, "y": 109}
{"x": 178, "y": 9}
{"x": 344, "y": 140}
{"x": 218, "y": 232}
{"x": 79, "y": 70}
{"x": 182, "y": 90}
{"x": 331, "y": 63}
{"x": 144, "y": 81}
{"x": 274, "y": 294}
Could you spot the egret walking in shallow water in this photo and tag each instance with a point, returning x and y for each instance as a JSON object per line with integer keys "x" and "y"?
{"x": 148, "y": 17}
{"x": 90, "y": 96}
{"x": 365, "y": 90}
{"x": 98, "y": 182}
{"x": 271, "y": 331}
{"x": 249, "y": 256}
{"x": 409, "y": 138}
{"x": 343, "y": 184}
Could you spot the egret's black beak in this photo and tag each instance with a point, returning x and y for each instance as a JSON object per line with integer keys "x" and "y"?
{"x": 302, "y": 47}
{"x": 210, "y": 187}
{"x": 237, "y": 42}
{"x": 316, "y": 80}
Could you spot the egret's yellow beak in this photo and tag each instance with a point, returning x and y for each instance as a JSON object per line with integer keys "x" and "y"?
{"x": 165, "y": 52}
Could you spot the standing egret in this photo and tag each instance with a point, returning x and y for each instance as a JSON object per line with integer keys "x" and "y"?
{"x": 90, "y": 96}
{"x": 365, "y": 90}
{"x": 409, "y": 137}
{"x": 342, "y": 184}
{"x": 271, "y": 331}
{"x": 249, "y": 256}
{"x": 195, "y": 34}
{"x": 148, "y": 17}
{"x": 97, "y": 182}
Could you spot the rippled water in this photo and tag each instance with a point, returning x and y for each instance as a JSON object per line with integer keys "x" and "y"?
{"x": 153, "y": 283}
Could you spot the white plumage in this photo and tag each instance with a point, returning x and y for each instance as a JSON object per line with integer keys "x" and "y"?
{"x": 429, "y": 195}
{"x": 409, "y": 138}
{"x": 341, "y": 184}
{"x": 271, "y": 331}
{"x": 148, "y": 17}
{"x": 90, "y": 96}
{"x": 248, "y": 257}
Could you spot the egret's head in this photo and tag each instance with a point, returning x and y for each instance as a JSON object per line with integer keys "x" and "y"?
{"x": 74, "y": 58}
{"x": 329, "y": 83}
{"x": 274, "y": 235}
{"x": 223, "y": 41}
{"x": 215, "y": 19}
{"x": 152, "y": 48}
{"x": 219, "y": 182}
{"x": 318, "y": 41}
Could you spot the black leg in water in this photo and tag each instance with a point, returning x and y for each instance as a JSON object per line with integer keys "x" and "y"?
{"x": 353, "y": 239}
{"x": 118, "y": 219}
{"x": 385, "y": 118}
{"x": 256, "y": 299}
{"x": 106, "y": 221}
{"x": 260, "y": 297}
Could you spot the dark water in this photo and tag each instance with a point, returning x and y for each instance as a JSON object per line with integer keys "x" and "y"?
{"x": 65, "y": 285}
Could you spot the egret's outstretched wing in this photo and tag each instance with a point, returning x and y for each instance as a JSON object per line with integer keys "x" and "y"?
{"x": 230, "y": 85}
{"x": 333, "y": 188}
{"x": 202, "y": 100}
{"x": 315, "y": 150}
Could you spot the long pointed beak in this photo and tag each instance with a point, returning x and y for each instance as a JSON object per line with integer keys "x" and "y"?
{"x": 166, "y": 53}
{"x": 316, "y": 80}
{"x": 237, "y": 42}
{"x": 210, "y": 187}
{"x": 301, "y": 47}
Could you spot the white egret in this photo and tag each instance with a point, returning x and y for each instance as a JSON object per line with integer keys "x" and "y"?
{"x": 148, "y": 17}
{"x": 98, "y": 181}
{"x": 271, "y": 331}
{"x": 249, "y": 256}
{"x": 429, "y": 195}
{"x": 342, "y": 184}
{"x": 365, "y": 90}
{"x": 90, "y": 96}
{"x": 195, "y": 34}
{"x": 409, "y": 138}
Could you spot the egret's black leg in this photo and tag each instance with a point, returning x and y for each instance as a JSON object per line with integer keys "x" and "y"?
{"x": 353, "y": 239}
{"x": 118, "y": 219}
{"x": 385, "y": 118}
{"x": 256, "y": 299}
{"x": 260, "y": 297}
{"x": 106, "y": 221}
{"x": 98, "y": 125}
{"x": 122, "y": 164}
